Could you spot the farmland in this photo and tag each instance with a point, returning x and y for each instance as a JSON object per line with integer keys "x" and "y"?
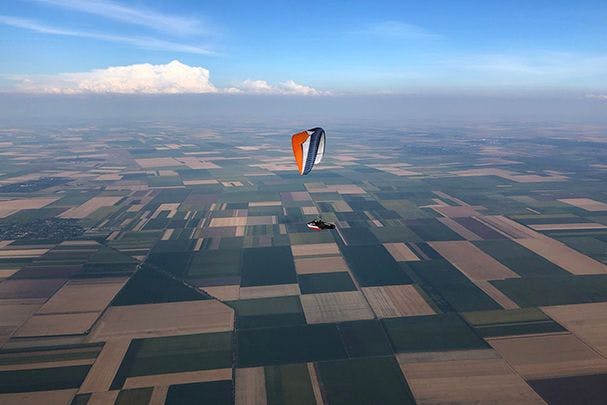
{"x": 172, "y": 264}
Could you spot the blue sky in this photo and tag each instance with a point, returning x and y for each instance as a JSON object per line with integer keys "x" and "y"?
{"x": 322, "y": 46}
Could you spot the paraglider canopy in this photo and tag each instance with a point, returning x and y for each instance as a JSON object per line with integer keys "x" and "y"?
{"x": 308, "y": 148}
{"x": 319, "y": 225}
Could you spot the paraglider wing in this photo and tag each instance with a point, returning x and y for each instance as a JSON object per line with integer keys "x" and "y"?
{"x": 320, "y": 225}
{"x": 308, "y": 149}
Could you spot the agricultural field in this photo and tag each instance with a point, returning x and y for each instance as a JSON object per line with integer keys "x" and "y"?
{"x": 172, "y": 264}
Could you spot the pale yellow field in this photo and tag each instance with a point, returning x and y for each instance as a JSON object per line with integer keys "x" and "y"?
{"x": 170, "y": 207}
{"x": 300, "y": 196}
{"x": 21, "y": 253}
{"x": 268, "y": 291}
{"x": 398, "y": 171}
{"x": 450, "y": 198}
{"x": 396, "y": 301}
{"x": 174, "y": 318}
{"x": 57, "y": 397}
{"x": 100, "y": 376}
{"x": 86, "y": 295}
{"x": 265, "y": 204}
{"x": 199, "y": 182}
{"x": 508, "y": 227}
{"x": 159, "y": 395}
{"x": 315, "y": 249}
{"x": 231, "y": 221}
{"x": 587, "y": 321}
{"x": 196, "y": 163}
{"x": 509, "y": 175}
{"x": 459, "y": 229}
{"x": 473, "y": 376}
{"x": 457, "y": 211}
{"x": 178, "y": 378}
{"x": 25, "y": 177}
{"x": 401, "y": 252}
{"x": 315, "y": 384}
{"x": 8, "y": 207}
{"x": 564, "y": 256}
{"x": 251, "y": 386}
{"x": 560, "y": 227}
{"x": 337, "y": 188}
{"x": 587, "y": 204}
{"x": 223, "y": 292}
{"x": 341, "y": 206}
{"x": 13, "y": 313}
{"x": 314, "y": 265}
{"x": 47, "y": 364}
{"x": 309, "y": 210}
{"x": 109, "y": 177}
{"x": 103, "y": 398}
{"x": 166, "y": 235}
{"x": 544, "y": 356}
{"x": 473, "y": 262}
{"x": 148, "y": 163}
{"x": 495, "y": 294}
{"x": 89, "y": 207}
{"x": 57, "y": 324}
{"x": 335, "y": 307}
{"x": 261, "y": 220}
{"x": 4, "y": 243}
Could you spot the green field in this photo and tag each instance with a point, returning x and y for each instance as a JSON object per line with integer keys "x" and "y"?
{"x": 325, "y": 282}
{"x": 372, "y": 380}
{"x": 511, "y": 322}
{"x": 543, "y": 291}
{"x": 431, "y": 333}
{"x": 266, "y": 266}
{"x": 175, "y": 354}
{"x": 288, "y": 384}
{"x": 290, "y": 344}
{"x": 365, "y": 338}
{"x": 373, "y": 266}
{"x": 440, "y": 277}
{"x": 264, "y": 312}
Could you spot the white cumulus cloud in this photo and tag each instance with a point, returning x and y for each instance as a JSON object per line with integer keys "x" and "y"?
{"x": 171, "y": 78}
{"x": 288, "y": 87}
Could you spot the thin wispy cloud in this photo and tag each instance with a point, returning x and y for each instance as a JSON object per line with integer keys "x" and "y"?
{"x": 392, "y": 29}
{"x": 172, "y": 24}
{"x": 139, "y": 42}
{"x": 539, "y": 65}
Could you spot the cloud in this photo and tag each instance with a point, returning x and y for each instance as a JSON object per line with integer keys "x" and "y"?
{"x": 171, "y": 78}
{"x": 542, "y": 63}
{"x": 252, "y": 86}
{"x": 139, "y": 42}
{"x": 601, "y": 97}
{"x": 288, "y": 87}
{"x": 174, "y": 77}
{"x": 138, "y": 16}
{"x": 391, "y": 29}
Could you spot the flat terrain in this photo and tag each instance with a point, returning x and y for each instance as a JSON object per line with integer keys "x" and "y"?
{"x": 171, "y": 263}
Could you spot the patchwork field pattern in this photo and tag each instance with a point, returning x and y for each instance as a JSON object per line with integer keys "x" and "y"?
{"x": 172, "y": 264}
